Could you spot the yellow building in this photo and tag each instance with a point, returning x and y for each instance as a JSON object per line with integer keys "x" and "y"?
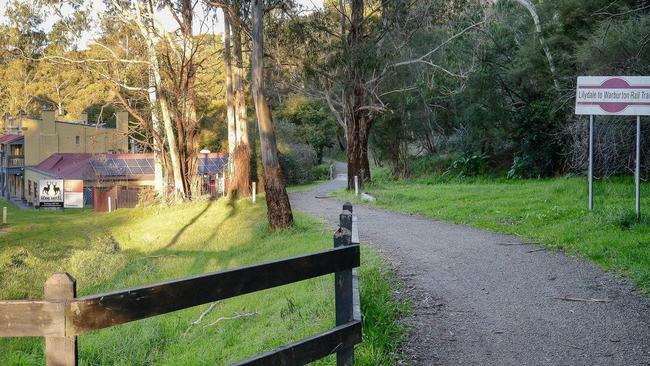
{"x": 45, "y": 135}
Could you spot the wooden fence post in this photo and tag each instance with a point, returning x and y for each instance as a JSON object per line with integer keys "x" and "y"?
{"x": 61, "y": 351}
{"x": 345, "y": 220}
{"x": 343, "y": 287}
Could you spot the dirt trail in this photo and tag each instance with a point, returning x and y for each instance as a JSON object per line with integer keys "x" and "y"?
{"x": 479, "y": 302}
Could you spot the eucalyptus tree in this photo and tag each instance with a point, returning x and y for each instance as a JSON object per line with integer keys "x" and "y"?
{"x": 277, "y": 201}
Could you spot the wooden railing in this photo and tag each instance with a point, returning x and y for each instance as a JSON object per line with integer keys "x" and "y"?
{"x": 15, "y": 161}
{"x": 62, "y": 316}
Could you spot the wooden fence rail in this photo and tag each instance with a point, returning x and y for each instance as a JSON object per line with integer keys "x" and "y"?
{"x": 62, "y": 316}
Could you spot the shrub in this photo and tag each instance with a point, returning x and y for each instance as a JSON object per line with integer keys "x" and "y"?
{"x": 469, "y": 166}
{"x": 296, "y": 159}
{"x": 321, "y": 172}
{"x": 297, "y": 162}
{"x": 430, "y": 165}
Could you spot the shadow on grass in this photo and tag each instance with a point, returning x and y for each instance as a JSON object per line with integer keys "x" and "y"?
{"x": 200, "y": 260}
{"x": 180, "y": 233}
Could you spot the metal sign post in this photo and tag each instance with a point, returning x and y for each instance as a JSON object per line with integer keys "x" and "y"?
{"x": 637, "y": 171}
{"x": 614, "y": 96}
{"x": 591, "y": 162}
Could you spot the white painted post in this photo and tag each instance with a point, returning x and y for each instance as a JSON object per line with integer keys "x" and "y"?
{"x": 110, "y": 207}
{"x": 254, "y": 192}
{"x": 356, "y": 185}
{"x": 4, "y": 216}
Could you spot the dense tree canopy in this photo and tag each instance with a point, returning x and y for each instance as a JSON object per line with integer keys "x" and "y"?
{"x": 482, "y": 85}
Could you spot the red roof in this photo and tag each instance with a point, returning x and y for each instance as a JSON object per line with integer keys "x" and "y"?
{"x": 114, "y": 166}
{"x": 80, "y": 166}
{"x": 67, "y": 165}
{"x": 9, "y": 138}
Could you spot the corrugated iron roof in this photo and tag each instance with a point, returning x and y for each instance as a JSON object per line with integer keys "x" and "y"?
{"x": 9, "y": 138}
{"x": 115, "y": 166}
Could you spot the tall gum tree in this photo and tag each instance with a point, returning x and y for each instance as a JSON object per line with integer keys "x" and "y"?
{"x": 230, "y": 100}
{"x": 277, "y": 201}
{"x": 242, "y": 154}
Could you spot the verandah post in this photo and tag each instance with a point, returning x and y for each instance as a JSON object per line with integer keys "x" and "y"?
{"x": 61, "y": 351}
{"x": 343, "y": 287}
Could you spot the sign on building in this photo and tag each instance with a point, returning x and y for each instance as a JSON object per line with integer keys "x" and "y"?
{"x": 613, "y": 95}
{"x": 73, "y": 193}
{"x": 51, "y": 193}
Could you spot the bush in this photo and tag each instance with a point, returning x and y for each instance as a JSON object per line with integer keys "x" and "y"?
{"x": 321, "y": 172}
{"x": 431, "y": 165}
{"x": 297, "y": 160}
{"x": 469, "y": 166}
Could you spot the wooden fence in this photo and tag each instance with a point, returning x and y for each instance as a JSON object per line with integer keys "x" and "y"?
{"x": 62, "y": 316}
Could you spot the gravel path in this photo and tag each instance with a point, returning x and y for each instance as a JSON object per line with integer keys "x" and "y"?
{"x": 480, "y": 302}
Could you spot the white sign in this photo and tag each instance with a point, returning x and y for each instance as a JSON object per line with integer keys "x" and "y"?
{"x": 613, "y": 95}
{"x": 73, "y": 193}
{"x": 51, "y": 193}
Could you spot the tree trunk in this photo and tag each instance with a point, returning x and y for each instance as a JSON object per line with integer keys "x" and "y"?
{"x": 240, "y": 95}
{"x": 189, "y": 125}
{"x": 242, "y": 155}
{"x": 164, "y": 105}
{"x": 159, "y": 182}
{"x": 230, "y": 102}
{"x": 174, "y": 158}
{"x": 359, "y": 121}
{"x": 277, "y": 201}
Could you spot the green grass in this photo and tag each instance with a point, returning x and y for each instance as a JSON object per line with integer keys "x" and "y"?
{"x": 135, "y": 247}
{"x": 552, "y": 211}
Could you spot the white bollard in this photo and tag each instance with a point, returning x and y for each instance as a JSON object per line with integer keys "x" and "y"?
{"x": 110, "y": 206}
{"x": 356, "y": 185}
{"x": 254, "y": 191}
{"x": 4, "y": 216}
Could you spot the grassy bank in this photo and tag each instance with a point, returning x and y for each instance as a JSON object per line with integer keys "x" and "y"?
{"x": 140, "y": 246}
{"x": 551, "y": 211}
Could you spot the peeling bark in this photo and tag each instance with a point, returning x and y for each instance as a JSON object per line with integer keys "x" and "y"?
{"x": 277, "y": 201}
{"x": 230, "y": 101}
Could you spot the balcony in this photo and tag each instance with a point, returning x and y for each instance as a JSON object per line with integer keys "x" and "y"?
{"x": 15, "y": 161}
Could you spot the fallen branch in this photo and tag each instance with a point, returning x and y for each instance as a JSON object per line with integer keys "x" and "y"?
{"x": 524, "y": 243}
{"x": 536, "y": 250}
{"x": 236, "y": 316}
{"x": 582, "y": 300}
{"x": 200, "y": 318}
{"x": 158, "y": 256}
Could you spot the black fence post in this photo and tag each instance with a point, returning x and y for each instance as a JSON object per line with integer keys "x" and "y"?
{"x": 345, "y": 220}
{"x": 343, "y": 287}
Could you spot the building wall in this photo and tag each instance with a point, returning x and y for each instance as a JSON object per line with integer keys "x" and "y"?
{"x": 47, "y": 136}
{"x": 35, "y": 176}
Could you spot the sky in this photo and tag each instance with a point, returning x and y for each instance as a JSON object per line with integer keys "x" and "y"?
{"x": 164, "y": 17}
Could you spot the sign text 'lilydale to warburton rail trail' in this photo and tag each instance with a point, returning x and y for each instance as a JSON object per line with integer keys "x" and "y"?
{"x": 613, "y": 95}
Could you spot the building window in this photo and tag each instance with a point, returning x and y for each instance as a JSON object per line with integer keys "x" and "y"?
{"x": 77, "y": 140}
{"x": 35, "y": 190}
{"x": 29, "y": 187}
